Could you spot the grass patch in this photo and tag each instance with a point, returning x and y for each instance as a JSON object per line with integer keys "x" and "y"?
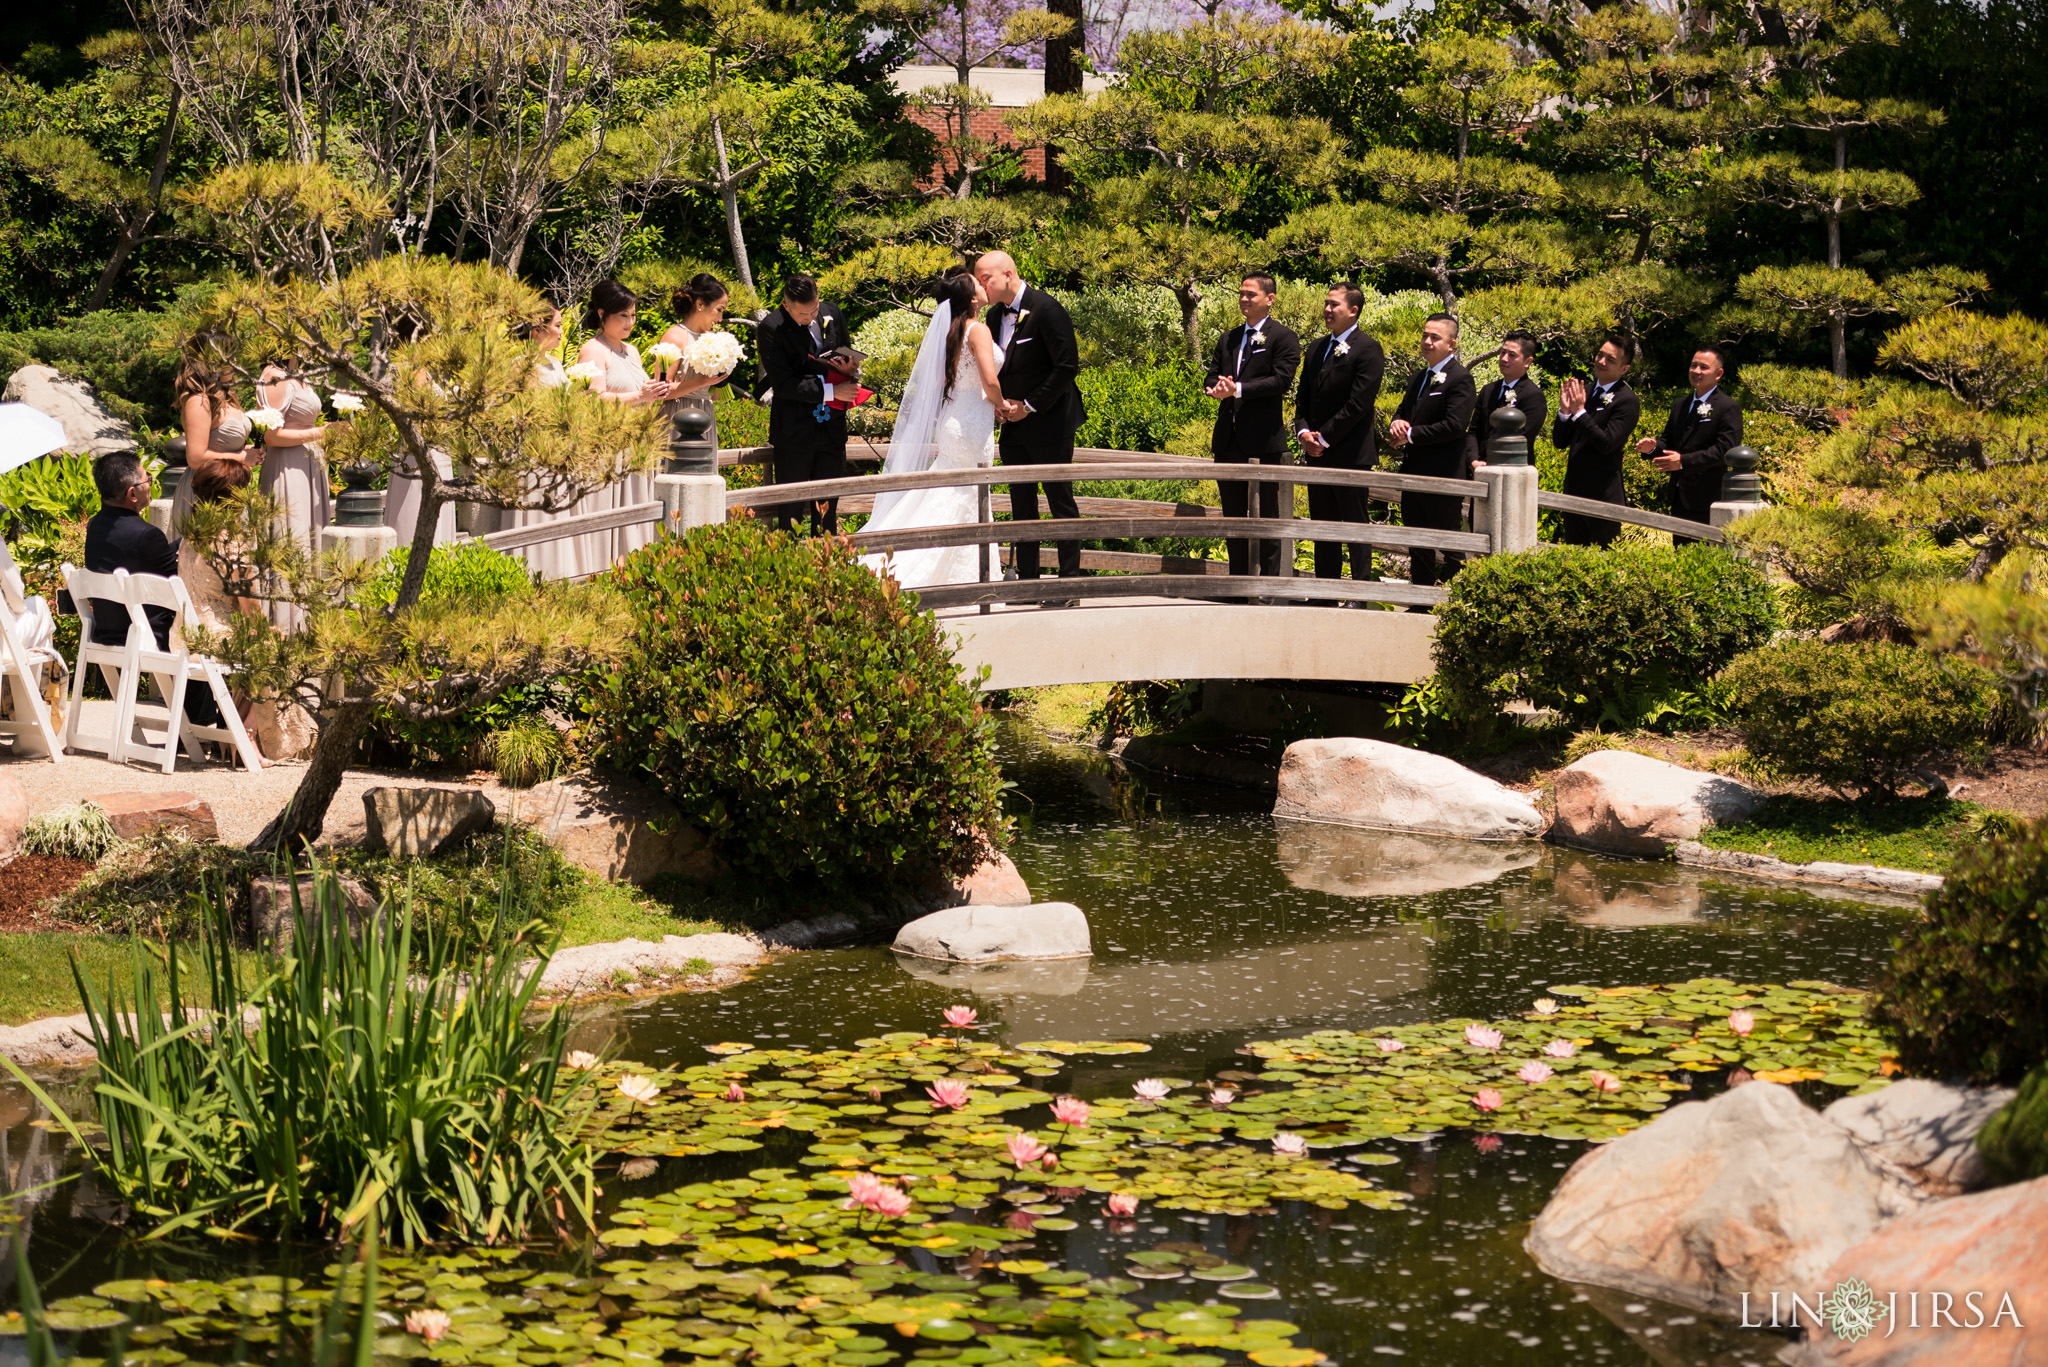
{"x": 610, "y": 911}
{"x": 1062, "y": 708}
{"x": 35, "y": 971}
{"x": 1919, "y": 833}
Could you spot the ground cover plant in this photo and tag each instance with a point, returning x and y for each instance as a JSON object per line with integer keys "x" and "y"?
{"x": 1922, "y": 833}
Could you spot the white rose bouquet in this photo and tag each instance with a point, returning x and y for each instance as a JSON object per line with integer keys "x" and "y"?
{"x": 346, "y": 405}
{"x": 715, "y": 353}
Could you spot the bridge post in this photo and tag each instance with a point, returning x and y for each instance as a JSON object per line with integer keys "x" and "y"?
{"x": 689, "y": 501}
{"x": 1741, "y": 489}
{"x": 1510, "y": 506}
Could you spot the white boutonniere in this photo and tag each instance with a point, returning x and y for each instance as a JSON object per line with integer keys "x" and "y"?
{"x": 1022, "y": 314}
{"x": 1436, "y": 377}
{"x": 1343, "y": 349}
{"x": 1258, "y": 339}
{"x": 1703, "y": 408}
{"x": 1599, "y": 401}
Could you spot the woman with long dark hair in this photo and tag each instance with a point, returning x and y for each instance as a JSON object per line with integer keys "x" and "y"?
{"x": 216, "y": 427}
{"x": 699, "y": 307}
{"x": 613, "y": 314}
{"x": 947, "y": 421}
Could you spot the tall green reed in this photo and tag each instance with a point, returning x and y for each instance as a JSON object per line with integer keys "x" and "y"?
{"x": 349, "y": 1083}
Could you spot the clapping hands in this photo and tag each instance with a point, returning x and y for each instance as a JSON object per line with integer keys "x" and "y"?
{"x": 1571, "y": 395}
{"x": 1224, "y": 388}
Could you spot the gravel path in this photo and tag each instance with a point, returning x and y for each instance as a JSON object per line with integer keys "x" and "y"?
{"x": 242, "y": 802}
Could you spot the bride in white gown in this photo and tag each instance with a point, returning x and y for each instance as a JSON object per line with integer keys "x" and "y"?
{"x": 943, "y": 424}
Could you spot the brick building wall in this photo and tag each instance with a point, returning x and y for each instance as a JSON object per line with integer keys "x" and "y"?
{"x": 990, "y": 124}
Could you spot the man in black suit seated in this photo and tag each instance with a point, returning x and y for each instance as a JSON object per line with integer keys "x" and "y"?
{"x": 1333, "y": 421}
{"x": 1703, "y": 428}
{"x": 116, "y": 538}
{"x": 1250, "y": 374}
{"x": 1430, "y": 428}
{"x": 1041, "y": 407}
{"x": 809, "y": 436}
{"x": 1594, "y": 426}
{"x": 1514, "y": 389}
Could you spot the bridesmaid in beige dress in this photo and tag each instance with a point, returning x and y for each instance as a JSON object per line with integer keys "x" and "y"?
{"x": 613, "y": 313}
{"x": 294, "y": 470}
{"x": 700, "y": 308}
{"x": 216, "y": 429}
{"x": 549, "y": 559}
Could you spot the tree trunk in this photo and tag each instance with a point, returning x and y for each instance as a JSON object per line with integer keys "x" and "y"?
{"x": 729, "y": 192}
{"x": 131, "y": 231}
{"x": 1063, "y": 77}
{"x": 299, "y": 823}
{"x": 1441, "y": 274}
{"x": 1190, "y": 310}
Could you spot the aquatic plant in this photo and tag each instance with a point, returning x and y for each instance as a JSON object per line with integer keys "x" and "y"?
{"x": 349, "y": 1083}
{"x": 960, "y": 1017}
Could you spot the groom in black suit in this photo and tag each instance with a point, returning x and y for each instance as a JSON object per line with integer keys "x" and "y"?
{"x": 1250, "y": 374}
{"x": 1041, "y": 406}
{"x": 1704, "y": 427}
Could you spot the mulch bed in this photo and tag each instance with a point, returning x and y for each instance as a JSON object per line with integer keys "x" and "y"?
{"x": 33, "y": 879}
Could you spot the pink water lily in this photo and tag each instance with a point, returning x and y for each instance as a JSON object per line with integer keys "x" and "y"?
{"x": 1024, "y": 1149}
{"x": 1486, "y": 1099}
{"x": 890, "y": 1201}
{"x": 960, "y": 1017}
{"x": 861, "y": 1188}
{"x": 1151, "y": 1089}
{"x": 948, "y": 1093}
{"x": 1049, "y": 1162}
{"x": 1560, "y": 1048}
{"x": 1289, "y": 1145}
{"x": 1222, "y": 1096}
{"x": 1123, "y": 1204}
{"x": 430, "y": 1325}
{"x": 1486, "y": 1143}
{"x": 1482, "y": 1037}
{"x": 1070, "y": 1110}
{"x": 1741, "y": 1022}
{"x": 735, "y": 1092}
{"x": 1606, "y": 1082}
{"x": 1391, "y": 1046}
{"x": 1534, "y": 1071}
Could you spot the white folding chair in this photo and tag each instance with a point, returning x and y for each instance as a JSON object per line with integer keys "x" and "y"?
{"x": 117, "y": 664}
{"x": 177, "y": 668}
{"x": 25, "y": 653}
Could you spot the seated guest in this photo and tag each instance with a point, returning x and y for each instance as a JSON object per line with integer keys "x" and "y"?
{"x": 117, "y": 538}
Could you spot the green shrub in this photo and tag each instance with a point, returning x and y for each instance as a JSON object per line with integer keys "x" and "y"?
{"x": 144, "y": 887}
{"x": 1861, "y": 716}
{"x": 527, "y": 752}
{"x": 125, "y": 356}
{"x": 1605, "y": 637}
{"x": 456, "y": 567}
{"x": 801, "y": 711}
{"x": 457, "y": 895}
{"x": 2015, "y": 1141}
{"x": 1141, "y": 408}
{"x": 1966, "y": 993}
{"x": 77, "y": 832}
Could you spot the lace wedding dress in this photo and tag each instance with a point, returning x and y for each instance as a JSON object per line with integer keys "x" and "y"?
{"x": 958, "y": 434}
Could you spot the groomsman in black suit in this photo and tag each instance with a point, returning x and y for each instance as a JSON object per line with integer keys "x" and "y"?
{"x": 1041, "y": 403}
{"x": 1333, "y": 421}
{"x": 1704, "y": 426}
{"x": 1430, "y": 427}
{"x": 1250, "y": 374}
{"x": 1594, "y": 426}
{"x": 1513, "y": 389}
{"x": 808, "y": 436}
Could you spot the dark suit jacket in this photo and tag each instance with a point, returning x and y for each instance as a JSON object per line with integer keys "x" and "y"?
{"x": 1701, "y": 443}
{"x": 1528, "y": 397}
{"x": 117, "y": 539}
{"x": 1596, "y": 443}
{"x": 791, "y": 369}
{"x": 1438, "y": 407}
{"x": 1039, "y": 366}
{"x": 1337, "y": 395}
{"x": 1255, "y": 422}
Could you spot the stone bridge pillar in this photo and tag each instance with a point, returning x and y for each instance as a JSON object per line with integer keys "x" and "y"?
{"x": 1509, "y": 515}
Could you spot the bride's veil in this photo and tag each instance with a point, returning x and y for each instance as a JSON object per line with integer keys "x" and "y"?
{"x": 914, "y": 442}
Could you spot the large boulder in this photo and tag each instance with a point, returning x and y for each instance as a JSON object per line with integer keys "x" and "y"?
{"x": 1985, "y": 1255}
{"x": 610, "y": 826}
{"x": 412, "y": 823}
{"x": 1362, "y": 863}
{"x": 1750, "y": 1192}
{"x": 134, "y": 815}
{"x": 1347, "y": 781}
{"x": 88, "y": 427}
{"x": 979, "y": 935}
{"x": 996, "y": 883}
{"x": 13, "y": 815}
{"x": 1924, "y": 1130}
{"x": 270, "y": 906}
{"x": 1619, "y": 802}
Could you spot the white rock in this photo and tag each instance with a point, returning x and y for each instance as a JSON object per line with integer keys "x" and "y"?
{"x": 975, "y": 934}
{"x": 1352, "y": 782}
{"x": 1619, "y": 802}
{"x": 591, "y": 968}
{"x": 1750, "y": 1192}
{"x": 88, "y": 427}
{"x": 415, "y": 822}
{"x": 1923, "y": 1129}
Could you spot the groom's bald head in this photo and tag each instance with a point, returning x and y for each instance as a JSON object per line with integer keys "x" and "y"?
{"x": 997, "y": 272}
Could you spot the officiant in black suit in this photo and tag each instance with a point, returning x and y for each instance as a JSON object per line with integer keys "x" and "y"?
{"x": 1041, "y": 403}
{"x": 809, "y": 437}
{"x": 1593, "y": 426}
{"x": 1250, "y": 374}
{"x": 1704, "y": 427}
{"x": 1333, "y": 421}
{"x": 1430, "y": 428}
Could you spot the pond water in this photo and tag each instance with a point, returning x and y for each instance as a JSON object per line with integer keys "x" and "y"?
{"x": 1215, "y": 925}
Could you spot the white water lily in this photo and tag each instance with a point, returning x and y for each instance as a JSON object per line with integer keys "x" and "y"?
{"x": 1151, "y": 1089}
{"x": 641, "y": 1089}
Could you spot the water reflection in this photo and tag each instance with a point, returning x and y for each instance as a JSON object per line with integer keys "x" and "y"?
{"x": 1349, "y": 862}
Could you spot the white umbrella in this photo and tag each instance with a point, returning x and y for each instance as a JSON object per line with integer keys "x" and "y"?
{"x": 26, "y": 433}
